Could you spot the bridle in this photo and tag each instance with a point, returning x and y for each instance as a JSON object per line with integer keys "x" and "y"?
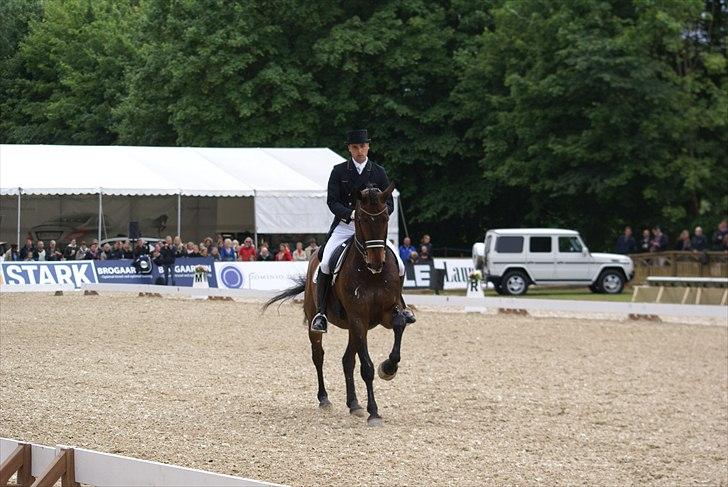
{"x": 368, "y": 244}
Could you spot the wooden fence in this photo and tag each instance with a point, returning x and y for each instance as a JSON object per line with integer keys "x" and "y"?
{"x": 679, "y": 264}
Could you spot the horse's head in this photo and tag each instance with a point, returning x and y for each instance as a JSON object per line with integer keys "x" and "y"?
{"x": 372, "y": 219}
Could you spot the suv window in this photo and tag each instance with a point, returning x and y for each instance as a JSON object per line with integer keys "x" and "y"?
{"x": 539, "y": 244}
{"x": 569, "y": 245}
{"x": 509, "y": 245}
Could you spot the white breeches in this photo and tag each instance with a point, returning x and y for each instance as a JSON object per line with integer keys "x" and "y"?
{"x": 341, "y": 233}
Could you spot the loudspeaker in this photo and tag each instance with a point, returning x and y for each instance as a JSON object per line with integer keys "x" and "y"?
{"x": 134, "y": 233}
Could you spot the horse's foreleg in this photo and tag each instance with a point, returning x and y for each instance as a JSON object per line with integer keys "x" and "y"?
{"x": 349, "y": 361}
{"x": 367, "y": 374}
{"x": 317, "y": 354}
{"x": 388, "y": 368}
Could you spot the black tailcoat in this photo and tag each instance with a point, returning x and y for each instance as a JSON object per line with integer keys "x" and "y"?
{"x": 344, "y": 183}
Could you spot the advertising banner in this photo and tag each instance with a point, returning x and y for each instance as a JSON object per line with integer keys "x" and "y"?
{"x": 417, "y": 276}
{"x": 122, "y": 272}
{"x": 75, "y": 272}
{"x": 456, "y": 272}
{"x": 261, "y": 276}
{"x": 184, "y": 270}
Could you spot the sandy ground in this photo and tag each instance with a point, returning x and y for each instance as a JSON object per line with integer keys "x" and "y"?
{"x": 478, "y": 399}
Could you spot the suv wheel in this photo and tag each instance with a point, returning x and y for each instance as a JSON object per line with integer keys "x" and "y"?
{"x": 611, "y": 282}
{"x": 515, "y": 283}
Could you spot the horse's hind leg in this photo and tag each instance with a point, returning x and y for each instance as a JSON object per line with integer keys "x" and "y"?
{"x": 317, "y": 354}
{"x": 349, "y": 361}
{"x": 367, "y": 374}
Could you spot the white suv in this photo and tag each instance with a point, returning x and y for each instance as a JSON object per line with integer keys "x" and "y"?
{"x": 515, "y": 258}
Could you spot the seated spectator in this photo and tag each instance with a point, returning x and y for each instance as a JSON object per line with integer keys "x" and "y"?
{"x": 82, "y": 251}
{"x": 93, "y": 252}
{"x": 413, "y": 258}
{"x": 29, "y": 256}
{"x": 719, "y": 235}
{"x": 40, "y": 252}
{"x": 264, "y": 254}
{"x": 117, "y": 251}
{"x": 53, "y": 254}
{"x": 700, "y": 241}
{"x": 28, "y": 248}
{"x": 283, "y": 254}
{"x": 128, "y": 252}
{"x": 208, "y": 243}
{"x": 406, "y": 249}
{"x": 659, "y": 240}
{"x": 312, "y": 248}
{"x": 299, "y": 254}
{"x": 645, "y": 242}
{"x": 190, "y": 250}
{"x": 227, "y": 253}
{"x": 425, "y": 240}
{"x": 247, "y": 251}
{"x": 236, "y": 247}
{"x": 425, "y": 257}
{"x": 106, "y": 252}
{"x": 69, "y": 253}
{"x": 626, "y": 243}
{"x": 214, "y": 253}
{"x": 12, "y": 255}
{"x": 203, "y": 251}
{"x": 140, "y": 248}
{"x": 683, "y": 241}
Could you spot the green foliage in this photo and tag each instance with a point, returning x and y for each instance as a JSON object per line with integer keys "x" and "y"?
{"x": 587, "y": 114}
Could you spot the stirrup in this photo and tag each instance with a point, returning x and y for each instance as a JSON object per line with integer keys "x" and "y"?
{"x": 319, "y": 323}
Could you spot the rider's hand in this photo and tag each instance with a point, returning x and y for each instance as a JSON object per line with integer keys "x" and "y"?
{"x": 352, "y": 214}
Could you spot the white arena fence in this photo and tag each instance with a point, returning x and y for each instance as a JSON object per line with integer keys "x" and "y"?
{"x": 47, "y": 464}
{"x": 78, "y": 465}
{"x": 260, "y": 276}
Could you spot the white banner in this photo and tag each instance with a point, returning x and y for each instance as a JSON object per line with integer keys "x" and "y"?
{"x": 456, "y": 272}
{"x": 260, "y": 276}
{"x": 75, "y": 272}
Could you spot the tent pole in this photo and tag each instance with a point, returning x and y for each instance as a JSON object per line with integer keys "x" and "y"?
{"x": 20, "y": 190}
{"x": 179, "y": 214}
{"x": 401, "y": 214}
{"x": 255, "y": 222}
{"x": 100, "y": 213}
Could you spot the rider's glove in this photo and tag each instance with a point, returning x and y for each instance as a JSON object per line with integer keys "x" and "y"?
{"x": 352, "y": 214}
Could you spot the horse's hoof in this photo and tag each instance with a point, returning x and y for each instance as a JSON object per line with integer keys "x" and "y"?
{"x": 383, "y": 375}
{"x": 374, "y": 421}
{"x": 325, "y": 403}
{"x": 359, "y": 412}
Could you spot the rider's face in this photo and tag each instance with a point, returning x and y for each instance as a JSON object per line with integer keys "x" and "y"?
{"x": 359, "y": 152}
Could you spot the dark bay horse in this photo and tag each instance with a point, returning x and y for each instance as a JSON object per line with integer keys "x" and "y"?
{"x": 366, "y": 294}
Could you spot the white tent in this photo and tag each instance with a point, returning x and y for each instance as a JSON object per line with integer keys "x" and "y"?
{"x": 287, "y": 186}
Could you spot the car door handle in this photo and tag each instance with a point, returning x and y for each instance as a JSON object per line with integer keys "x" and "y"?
{"x": 560, "y": 262}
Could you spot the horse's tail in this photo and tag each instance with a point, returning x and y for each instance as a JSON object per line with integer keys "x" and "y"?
{"x": 289, "y": 293}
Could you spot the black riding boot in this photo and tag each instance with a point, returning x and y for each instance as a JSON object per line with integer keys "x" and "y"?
{"x": 323, "y": 283}
{"x": 409, "y": 316}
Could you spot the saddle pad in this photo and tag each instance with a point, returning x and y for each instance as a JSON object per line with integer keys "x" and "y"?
{"x": 337, "y": 259}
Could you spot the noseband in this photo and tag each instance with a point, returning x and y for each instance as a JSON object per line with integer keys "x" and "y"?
{"x": 369, "y": 244}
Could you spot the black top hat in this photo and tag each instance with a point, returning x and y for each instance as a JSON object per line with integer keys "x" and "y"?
{"x": 357, "y": 137}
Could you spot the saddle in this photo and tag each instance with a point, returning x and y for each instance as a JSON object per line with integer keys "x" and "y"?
{"x": 337, "y": 258}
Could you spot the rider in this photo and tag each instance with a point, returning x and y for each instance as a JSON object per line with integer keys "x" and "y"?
{"x": 346, "y": 179}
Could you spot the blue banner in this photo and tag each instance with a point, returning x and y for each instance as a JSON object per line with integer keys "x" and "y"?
{"x": 75, "y": 272}
{"x": 122, "y": 271}
{"x": 184, "y": 270}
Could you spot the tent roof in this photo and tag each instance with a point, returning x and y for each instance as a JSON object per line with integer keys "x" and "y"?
{"x": 190, "y": 171}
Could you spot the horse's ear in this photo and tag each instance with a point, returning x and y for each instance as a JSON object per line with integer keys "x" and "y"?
{"x": 384, "y": 195}
{"x": 360, "y": 195}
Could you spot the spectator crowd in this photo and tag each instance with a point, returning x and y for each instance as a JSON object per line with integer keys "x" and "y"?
{"x": 655, "y": 240}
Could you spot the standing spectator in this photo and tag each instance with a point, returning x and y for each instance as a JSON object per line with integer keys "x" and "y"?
{"x": 724, "y": 248}
{"x": 208, "y": 244}
{"x": 683, "y": 241}
{"x": 659, "y": 240}
{"x": 12, "y": 255}
{"x": 425, "y": 257}
{"x": 127, "y": 251}
{"x": 227, "y": 253}
{"x": 700, "y": 241}
{"x": 264, "y": 255}
{"x": 69, "y": 253}
{"x": 719, "y": 235}
{"x": 166, "y": 261}
{"x": 406, "y": 249}
{"x": 40, "y": 252}
{"x": 82, "y": 251}
{"x": 425, "y": 240}
{"x": 27, "y": 249}
{"x": 643, "y": 245}
{"x": 215, "y": 253}
{"x": 312, "y": 248}
{"x": 29, "y": 256}
{"x": 236, "y": 247}
{"x": 53, "y": 254}
{"x": 140, "y": 248}
{"x": 93, "y": 252}
{"x": 626, "y": 243}
{"x": 284, "y": 254}
{"x": 203, "y": 251}
{"x": 117, "y": 252}
{"x": 247, "y": 252}
{"x": 106, "y": 251}
{"x": 299, "y": 254}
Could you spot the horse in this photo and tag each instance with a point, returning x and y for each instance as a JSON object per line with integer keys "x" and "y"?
{"x": 366, "y": 294}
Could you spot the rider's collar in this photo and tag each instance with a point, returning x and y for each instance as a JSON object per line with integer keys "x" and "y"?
{"x": 360, "y": 167}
